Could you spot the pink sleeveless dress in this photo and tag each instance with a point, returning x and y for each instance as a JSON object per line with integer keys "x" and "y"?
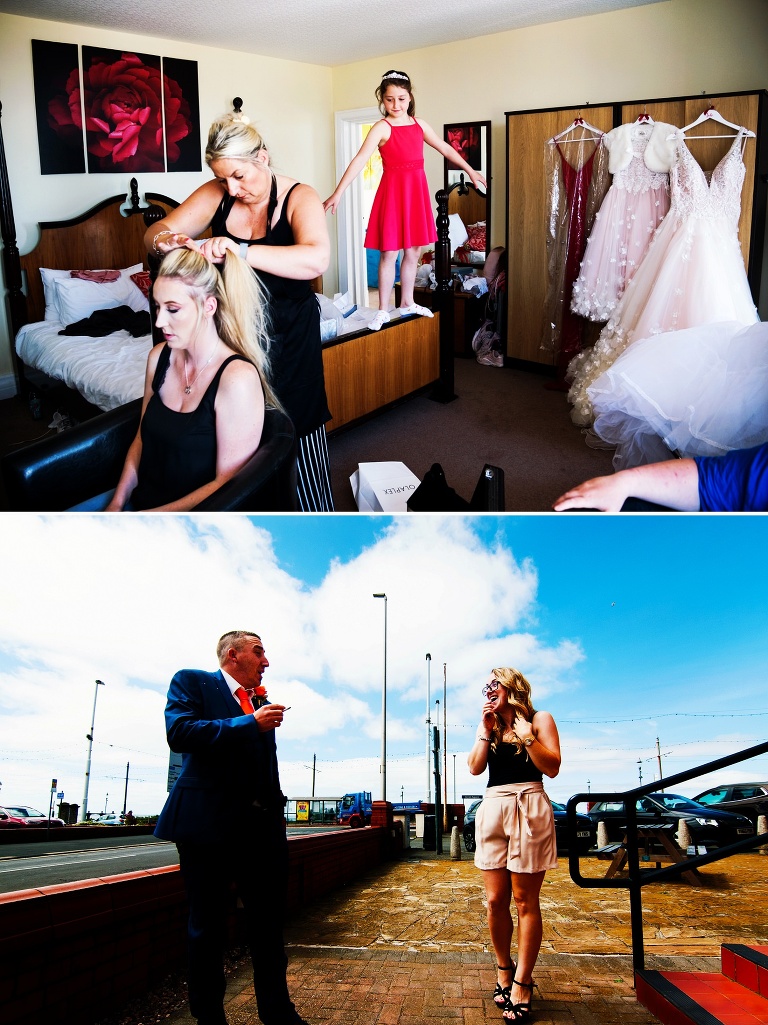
{"x": 401, "y": 215}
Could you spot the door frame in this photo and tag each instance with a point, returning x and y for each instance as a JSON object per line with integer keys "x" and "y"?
{"x": 353, "y": 272}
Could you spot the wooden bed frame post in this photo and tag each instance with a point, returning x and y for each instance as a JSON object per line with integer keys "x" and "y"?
{"x": 443, "y": 389}
{"x": 11, "y": 263}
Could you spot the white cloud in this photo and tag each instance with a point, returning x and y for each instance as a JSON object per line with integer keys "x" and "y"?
{"x": 130, "y": 600}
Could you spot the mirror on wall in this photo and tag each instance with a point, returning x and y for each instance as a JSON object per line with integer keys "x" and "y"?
{"x": 472, "y": 139}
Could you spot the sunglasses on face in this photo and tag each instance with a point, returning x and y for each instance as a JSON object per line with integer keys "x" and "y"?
{"x": 490, "y": 689}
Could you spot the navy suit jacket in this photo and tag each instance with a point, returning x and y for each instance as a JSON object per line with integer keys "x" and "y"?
{"x": 227, "y": 764}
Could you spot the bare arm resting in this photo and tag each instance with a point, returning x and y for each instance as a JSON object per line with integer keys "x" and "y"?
{"x": 674, "y": 484}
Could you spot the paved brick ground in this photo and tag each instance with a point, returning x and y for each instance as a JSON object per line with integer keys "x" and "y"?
{"x": 408, "y": 945}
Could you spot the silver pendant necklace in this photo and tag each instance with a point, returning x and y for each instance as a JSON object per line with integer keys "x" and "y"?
{"x": 190, "y": 384}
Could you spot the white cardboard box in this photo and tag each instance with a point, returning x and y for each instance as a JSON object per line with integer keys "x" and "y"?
{"x": 383, "y": 487}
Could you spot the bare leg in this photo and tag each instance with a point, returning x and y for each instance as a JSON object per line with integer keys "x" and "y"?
{"x": 526, "y": 888}
{"x": 498, "y": 892}
{"x": 387, "y": 264}
{"x": 408, "y": 269}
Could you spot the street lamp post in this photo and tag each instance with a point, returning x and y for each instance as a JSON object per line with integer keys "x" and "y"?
{"x": 429, "y": 732}
{"x": 384, "y": 708}
{"x": 84, "y": 812}
{"x": 445, "y": 748}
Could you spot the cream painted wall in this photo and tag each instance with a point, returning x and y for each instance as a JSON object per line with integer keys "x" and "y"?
{"x": 290, "y": 102}
{"x": 675, "y": 48}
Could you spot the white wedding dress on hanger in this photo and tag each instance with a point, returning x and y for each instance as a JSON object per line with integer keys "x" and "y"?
{"x": 633, "y": 208}
{"x": 692, "y": 275}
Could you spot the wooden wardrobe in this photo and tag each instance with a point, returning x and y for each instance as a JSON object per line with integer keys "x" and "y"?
{"x": 527, "y": 134}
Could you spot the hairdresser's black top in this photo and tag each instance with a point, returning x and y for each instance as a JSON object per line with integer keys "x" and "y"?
{"x": 297, "y": 362}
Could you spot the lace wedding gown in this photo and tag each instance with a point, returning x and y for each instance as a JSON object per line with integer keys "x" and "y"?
{"x": 632, "y": 210}
{"x": 692, "y": 274}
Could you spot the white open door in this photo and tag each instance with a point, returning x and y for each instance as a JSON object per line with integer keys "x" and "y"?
{"x": 353, "y": 275}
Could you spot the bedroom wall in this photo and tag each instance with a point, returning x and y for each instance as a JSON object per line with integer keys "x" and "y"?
{"x": 671, "y": 48}
{"x": 289, "y": 101}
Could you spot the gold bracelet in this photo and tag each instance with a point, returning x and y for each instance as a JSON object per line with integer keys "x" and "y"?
{"x": 486, "y": 740}
{"x": 167, "y": 231}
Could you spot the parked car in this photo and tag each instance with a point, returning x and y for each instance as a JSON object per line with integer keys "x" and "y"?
{"x": 9, "y": 821}
{"x": 110, "y": 819}
{"x": 32, "y": 816}
{"x": 586, "y": 829}
{"x": 750, "y": 799}
{"x": 709, "y": 827}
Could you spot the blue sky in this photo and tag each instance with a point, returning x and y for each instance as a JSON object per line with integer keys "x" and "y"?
{"x": 629, "y": 628}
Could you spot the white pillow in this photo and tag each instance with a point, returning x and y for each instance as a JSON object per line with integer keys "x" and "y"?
{"x": 76, "y": 299}
{"x": 457, "y": 232}
{"x": 50, "y": 277}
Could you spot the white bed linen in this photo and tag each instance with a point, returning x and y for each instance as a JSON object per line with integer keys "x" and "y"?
{"x": 107, "y": 371}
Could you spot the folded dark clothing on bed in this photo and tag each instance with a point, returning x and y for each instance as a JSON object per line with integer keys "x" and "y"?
{"x": 104, "y": 322}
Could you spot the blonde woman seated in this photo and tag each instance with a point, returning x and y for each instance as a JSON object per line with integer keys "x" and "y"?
{"x": 205, "y": 388}
{"x": 514, "y": 828}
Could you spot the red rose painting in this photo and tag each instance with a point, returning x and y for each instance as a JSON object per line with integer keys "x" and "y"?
{"x": 135, "y": 118}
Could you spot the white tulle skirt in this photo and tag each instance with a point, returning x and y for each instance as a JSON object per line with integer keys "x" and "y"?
{"x": 702, "y": 391}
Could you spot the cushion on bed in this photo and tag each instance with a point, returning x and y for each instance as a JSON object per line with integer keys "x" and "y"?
{"x": 50, "y": 277}
{"x": 476, "y": 240}
{"x": 143, "y": 280}
{"x": 75, "y": 299}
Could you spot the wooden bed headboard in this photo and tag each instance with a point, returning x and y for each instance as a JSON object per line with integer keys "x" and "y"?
{"x": 104, "y": 237}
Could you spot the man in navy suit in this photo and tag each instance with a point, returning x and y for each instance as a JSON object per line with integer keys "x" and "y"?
{"x": 226, "y": 815}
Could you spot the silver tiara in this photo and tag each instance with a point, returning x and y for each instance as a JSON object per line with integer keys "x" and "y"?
{"x": 394, "y": 74}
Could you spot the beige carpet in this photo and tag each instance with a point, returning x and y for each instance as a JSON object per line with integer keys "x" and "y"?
{"x": 502, "y": 416}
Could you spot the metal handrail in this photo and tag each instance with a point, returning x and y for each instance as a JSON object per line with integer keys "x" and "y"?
{"x": 636, "y": 877}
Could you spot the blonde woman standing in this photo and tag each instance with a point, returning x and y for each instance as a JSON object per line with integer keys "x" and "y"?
{"x": 514, "y": 828}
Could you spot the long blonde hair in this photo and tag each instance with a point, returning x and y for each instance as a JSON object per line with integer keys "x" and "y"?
{"x": 240, "y": 318}
{"x": 518, "y": 697}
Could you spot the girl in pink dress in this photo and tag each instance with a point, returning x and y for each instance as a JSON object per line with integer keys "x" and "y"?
{"x": 401, "y": 216}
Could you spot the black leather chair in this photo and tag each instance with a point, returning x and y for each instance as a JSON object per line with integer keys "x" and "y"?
{"x": 68, "y": 468}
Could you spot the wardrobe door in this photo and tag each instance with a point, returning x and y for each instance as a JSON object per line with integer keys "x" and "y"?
{"x": 527, "y": 206}
{"x": 710, "y": 141}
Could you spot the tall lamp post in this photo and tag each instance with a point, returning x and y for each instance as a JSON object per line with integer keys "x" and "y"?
{"x": 429, "y": 732}
{"x": 84, "y": 811}
{"x": 384, "y": 708}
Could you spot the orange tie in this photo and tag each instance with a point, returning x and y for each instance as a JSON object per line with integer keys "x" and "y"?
{"x": 245, "y": 702}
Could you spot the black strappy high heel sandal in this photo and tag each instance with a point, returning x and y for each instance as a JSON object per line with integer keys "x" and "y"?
{"x": 520, "y": 1011}
{"x": 503, "y": 991}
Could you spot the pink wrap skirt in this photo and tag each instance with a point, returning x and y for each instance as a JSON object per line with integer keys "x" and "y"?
{"x": 515, "y": 829}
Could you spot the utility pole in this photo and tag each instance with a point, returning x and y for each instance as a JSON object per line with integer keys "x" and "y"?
{"x": 125, "y": 794}
{"x": 658, "y": 756}
{"x": 314, "y": 769}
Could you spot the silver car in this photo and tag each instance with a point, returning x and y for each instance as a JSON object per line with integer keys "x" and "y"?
{"x": 750, "y": 799}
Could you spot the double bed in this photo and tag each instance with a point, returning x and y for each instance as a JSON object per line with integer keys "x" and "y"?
{"x": 107, "y": 370}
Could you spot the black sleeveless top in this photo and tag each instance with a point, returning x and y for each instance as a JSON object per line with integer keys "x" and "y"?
{"x": 506, "y": 765}
{"x": 178, "y": 452}
{"x": 296, "y": 354}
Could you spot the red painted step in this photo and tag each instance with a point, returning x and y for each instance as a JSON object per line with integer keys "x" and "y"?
{"x": 746, "y": 965}
{"x": 738, "y": 996}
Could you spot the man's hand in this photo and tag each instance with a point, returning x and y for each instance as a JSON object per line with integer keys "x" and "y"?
{"x": 269, "y": 717}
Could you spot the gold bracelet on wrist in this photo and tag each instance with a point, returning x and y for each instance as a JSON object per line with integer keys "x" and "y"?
{"x": 155, "y": 250}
